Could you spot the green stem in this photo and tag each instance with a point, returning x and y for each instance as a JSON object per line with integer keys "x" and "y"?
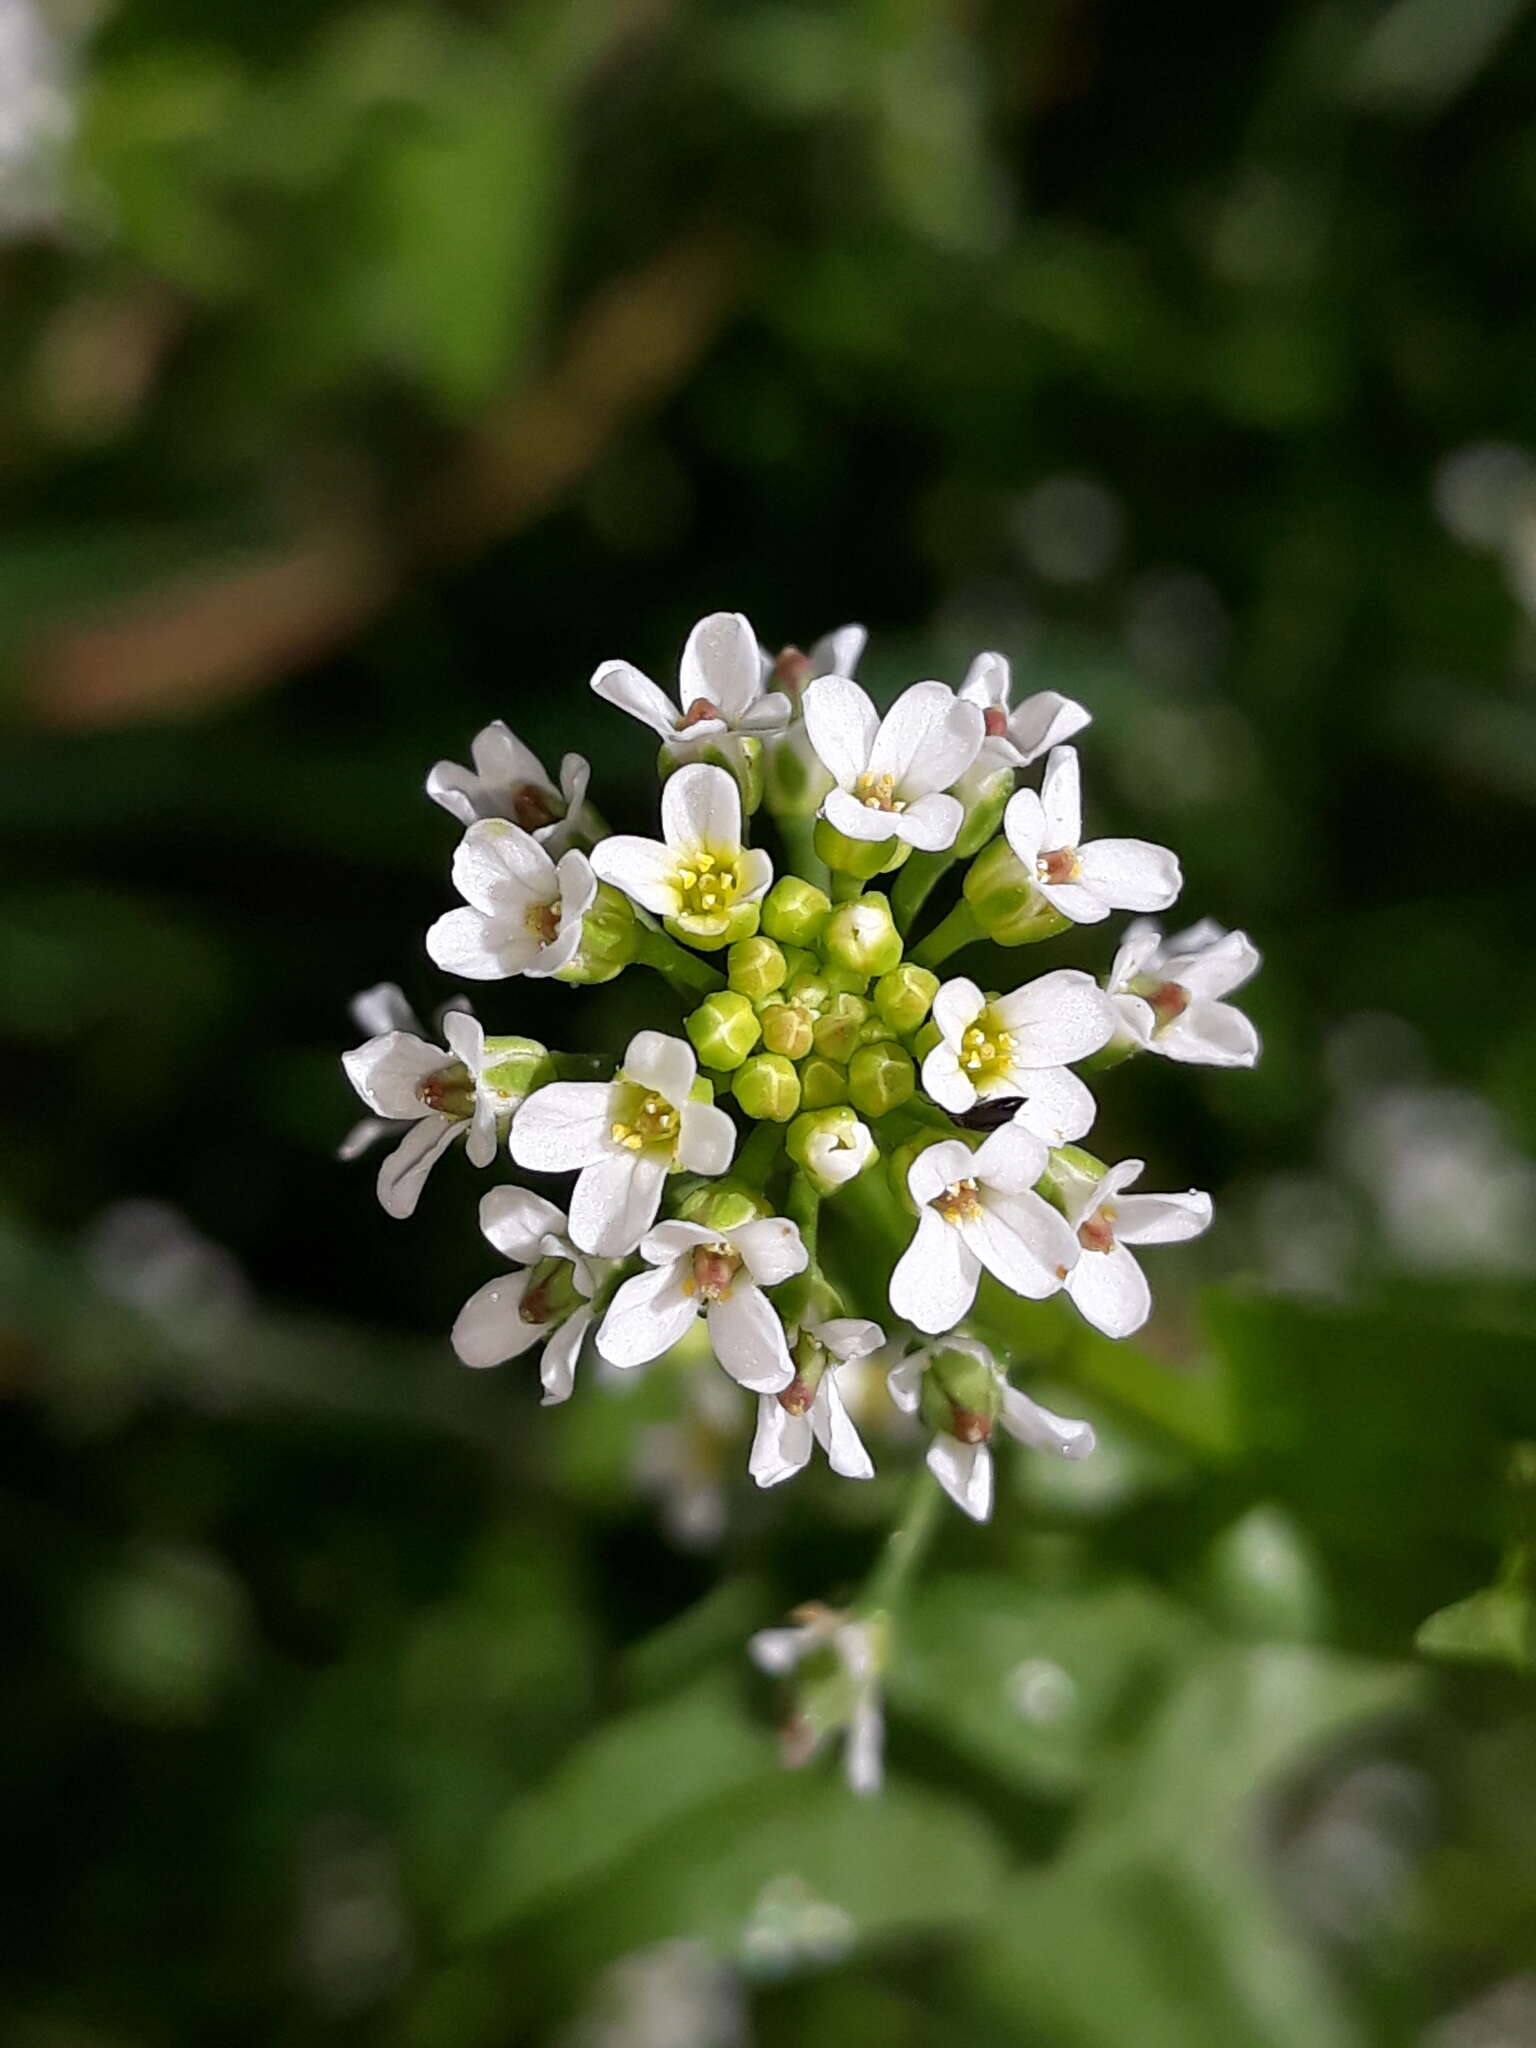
{"x": 754, "y": 1162}
{"x": 803, "y": 1208}
{"x": 916, "y": 883}
{"x": 958, "y": 929}
{"x": 906, "y": 1546}
{"x": 845, "y": 886}
{"x": 801, "y": 857}
{"x": 688, "y": 974}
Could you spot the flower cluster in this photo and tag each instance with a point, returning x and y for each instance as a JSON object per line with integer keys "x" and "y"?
{"x": 820, "y": 1058}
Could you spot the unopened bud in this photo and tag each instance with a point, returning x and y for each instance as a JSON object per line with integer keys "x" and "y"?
{"x": 724, "y": 1029}
{"x": 610, "y": 939}
{"x": 514, "y": 1067}
{"x": 905, "y": 996}
{"x": 830, "y": 1146}
{"x": 861, "y": 935}
{"x": 985, "y": 795}
{"x": 880, "y": 1078}
{"x": 796, "y": 782}
{"x": 1070, "y": 1174}
{"x": 836, "y": 1030}
{"x": 740, "y": 754}
{"x": 862, "y": 858}
{"x": 1004, "y": 900}
{"x": 722, "y": 1205}
{"x": 822, "y": 1082}
{"x": 755, "y": 967}
{"x": 795, "y": 911}
{"x": 768, "y": 1088}
{"x": 786, "y": 1029}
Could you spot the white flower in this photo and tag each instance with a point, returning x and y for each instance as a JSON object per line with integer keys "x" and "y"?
{"x": 698, "y": 875}
{"x": 547, "y": 1299}
{"x": 837, "y": 1148}
{"x": 525, "y": 911}
{"x": 720, "y": 687}
{"x": 721, "y": 1274}
{"x": 436, "y": 1091}
{"x": 685, "y": 1464}
{"x": 508, "y": 780}
{"x": 889, "y": 774}
{"x": 1083, "y": 882}
{"x": 1020, "y": 1044}
{"x": 1167, "y": 993}
{"x": 964, "y": 1468}
{"x": 623, "y": 1137}
{"x": 978, "y": 1210}
{"x": 857, "y": 1646}
{"x": 834, "y": 654}
{"x": 1106, "y": 1283}
{"x": 1016, "y": 737}
{"x": 812, "y": 1410}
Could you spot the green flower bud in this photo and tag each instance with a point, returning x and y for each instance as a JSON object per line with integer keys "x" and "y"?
{"x": 787, "y": 1029}
{"x": 798, "y": 960}
{"x": 861, "y": 935}
{"x": 836, "y": 1030}
{"x": 1069, "y": 1172}
{"x": 880, "y": 1078}
{"x": 830, "y": 1146}
{"x": 961, "y": 1394}
{"x": 768, "y": 1088}
{"x": 756, "y": 967}
{"x": 739, "y": 753}
{"x": 514, "y": 1067}
{"x": 1004, "y": 900}
{"x": 861, "y": 858}
{"x": 898, "y": 1165}
{"x": 926, "y": 1039}
{"x": 724, "y": 1029}
{"x": 822, "y": 1082}
{"x": 795, "y": 779}
{"x": 722, "y": 1205}
{"x": 985, "y": 804}
{"x": 795, "y": 911}
{"x": 610, "y": 939}
{"x": 874, "y": 1030}
{"x": 905, "y": 996}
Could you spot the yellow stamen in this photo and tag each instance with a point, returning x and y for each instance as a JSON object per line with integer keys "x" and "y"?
{"x": 959, "y": 1203}
{"x": 878, "y": 793}
{"x": 986, "y": 1054}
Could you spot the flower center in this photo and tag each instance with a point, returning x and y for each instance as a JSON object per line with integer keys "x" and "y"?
{"x": 1098, "y": 1233}
{"x": 708, "y": 885}
{"x": 543, "y": 920}
{"x": 550, "y": 1294}
{"x": 711, "y": 1270}
{"x": 878, "y": 793}
{"x": 996, "y": 722}
{"x": 533, "y": 807}
{"x": 959, "y": 1203}
{"x": 449, "y": 1091}
{"x": 1169, "y": 999}
{"x": 986, "y": 1053}
{"x": 1060, "y": 865}
{"x": 699, "y": 712}
{"x": 652, "y": 1121}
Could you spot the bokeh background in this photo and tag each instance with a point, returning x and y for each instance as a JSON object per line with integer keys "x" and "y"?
{"x": 371, "y": 368}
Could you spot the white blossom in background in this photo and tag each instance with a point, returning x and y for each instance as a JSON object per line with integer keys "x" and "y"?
{"x": 720, "y": 1274}
{"x": 963, "y": 1465}
{"x": 523, "y": 910}
{"x": 796, "y": 765}
{"x": 509, "y": 781}
{"x": 38, "y": 116}
{"x": 440, "y": 1093}
{"x": 1016, "y": 735}
{"x": 623, "y": 1137}
{"x": 698, "y": 876}
{"x": 978, "y": 1211}
{"x": 686, "y": 1465}
{"x": 719, "y": 686}
{"x": 1106, "y": 1283}
{"x": 547, "y": 1299}
{"x": 813, "y": 1412}
{"x": 890, "y": 775}
{"x": 858, "y": 1648}
{"x": 1168, "y": 993}
{"x": 1083, "y": 881}
{"x": 1020, "y": 1045}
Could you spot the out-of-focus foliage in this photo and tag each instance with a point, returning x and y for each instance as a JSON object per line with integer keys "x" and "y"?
{"x": 370, "y": 370}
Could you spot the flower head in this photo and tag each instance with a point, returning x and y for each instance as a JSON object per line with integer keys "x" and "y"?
{"x": 1019, "y": 1044}
{"x": 1168, "y": 993}
{"x": 811, "y": 1408}
{"x": 623, "y": 1137}
{"x": 524, "y": 910}
{"x": 509, "y": 781}
{"x": 1105, "y": 1282}
{"x": 698, "y": 876}
{"x": 1083, "y": 882}
{"x": 977, "y": 1211}
{"x": 720, "y": 687}
{"x": 959, "y": 1388}
{"x": 700, "y": 1269}
{"x": 843, "y": 1694}
{"x": 547, "y": 1299}
{"x": 1018, "y": 735}
{"x": 889, "y": 774}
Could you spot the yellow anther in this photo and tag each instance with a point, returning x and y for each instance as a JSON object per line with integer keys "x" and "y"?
{"x": 878, "y": 793}
{"x": 706, "y": 862}
{"x": 959, "y": 1202}
{"x": 687, "y": 878}
{"x": 707, "y": 885}
{"x": 986, "y": 1051}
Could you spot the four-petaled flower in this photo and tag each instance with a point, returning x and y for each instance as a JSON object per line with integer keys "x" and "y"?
{"x": 719, "y": 1274}
{"x": 623, "y": 1137}
{"x": 978, "y": 1211}
{"x": 1107, "y": 1285}
{"x": 1083, "y": 882}
{"x": 847, "y": 1698}
{"x": 810, "y": 1409}
{"x": 546, "y": 1300}
{"x": 698, "y": 876}
{"x": 889, "y": 775}
{"x": 719, "y": 685}
{"x": 1168, "y": 993}
{"x": 524, "y": 910}
{"x": 1015, "y": 737}
{"x": 509, "y": 781}
{"x": 962, "y": 1464}
{"x": 436, "y": 1091}
{"x": 1020, "y": 1044}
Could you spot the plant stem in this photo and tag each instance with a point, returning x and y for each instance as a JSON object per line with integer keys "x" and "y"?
{"x": 803, "y": 1208}
{"x": 916, "y": 882}
{"x": 845, "y": 886}
{"x": 905, "y": 1547}
{"x": 754, "y": 1162}
{"x": 688, "y": 974}
{"x": 801, "y": 857}
{"x": 958, "y": 929}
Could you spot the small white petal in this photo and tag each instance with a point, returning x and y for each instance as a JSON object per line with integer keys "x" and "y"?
{"x": 621, "y": 683}
{"x": 748, "y": 1339}
{"x": 615, "y": 1201}
{"x": 848, "y": 814}
{"x": 956, "y": 1007}
{"x": 904, "y": 1382}
{"x": 1110, "y": 1291}
{"x": 383, "y": 1008}
{"x": 481, "y": 948}
{"x": 667, "y": 1066}
{"x": 721, "y": 665}
{"x": 557, "y": 1367}
{"x": 647, "y": 1316}
{"x": 779, "y": 1650}
{"x": 930, "y": 823}
{"x": 1044, "y": 721}
{"x": 849, "y": 1336}
{"x": 387, "y": 1071}
{"x": 365, "y": 1134}
{"x": 836, "y": 1434}
{"x": 863, "y": 1751}
{"x": 965, "y": 1473}
{"x": 489, "y": 1328}
{"x": 644, "y": 869}
{"x": 1010, "y": 1160}
{"x": 501, "y": 869}
{"x": 1041, "y": 1429}
{"x": 1162, "y": 1219}
{"x": 1130, "y": 874}
{"x": 837, "y": 653}
{"x": 706, "y": 1138}
{"x": 934, "y": 1283}
{"x": 517, "y": 1221}
{"x": 772, "y": 1249}
{"x": 946, "y": 1081}
{"x": 781, "y": 1446}
{"x": 562, "y": 1127}
{"x": 927, "y": 740}
{"x": 1057, "y": 1107}
{"x": 938, "y": 1167}
{"x": 841, "y": 724}
{"x": 403, "y": 1175}
{"x": 1024, "y": 827}
{"x": 1061, "y": 798}
{"x": 1210, "y": 1034}
{"x": 987, "y": 682}
{"x": 701, "y": 810}
{"x": 1022, "y": 1242}
{"x": 1057, "y": 1018}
